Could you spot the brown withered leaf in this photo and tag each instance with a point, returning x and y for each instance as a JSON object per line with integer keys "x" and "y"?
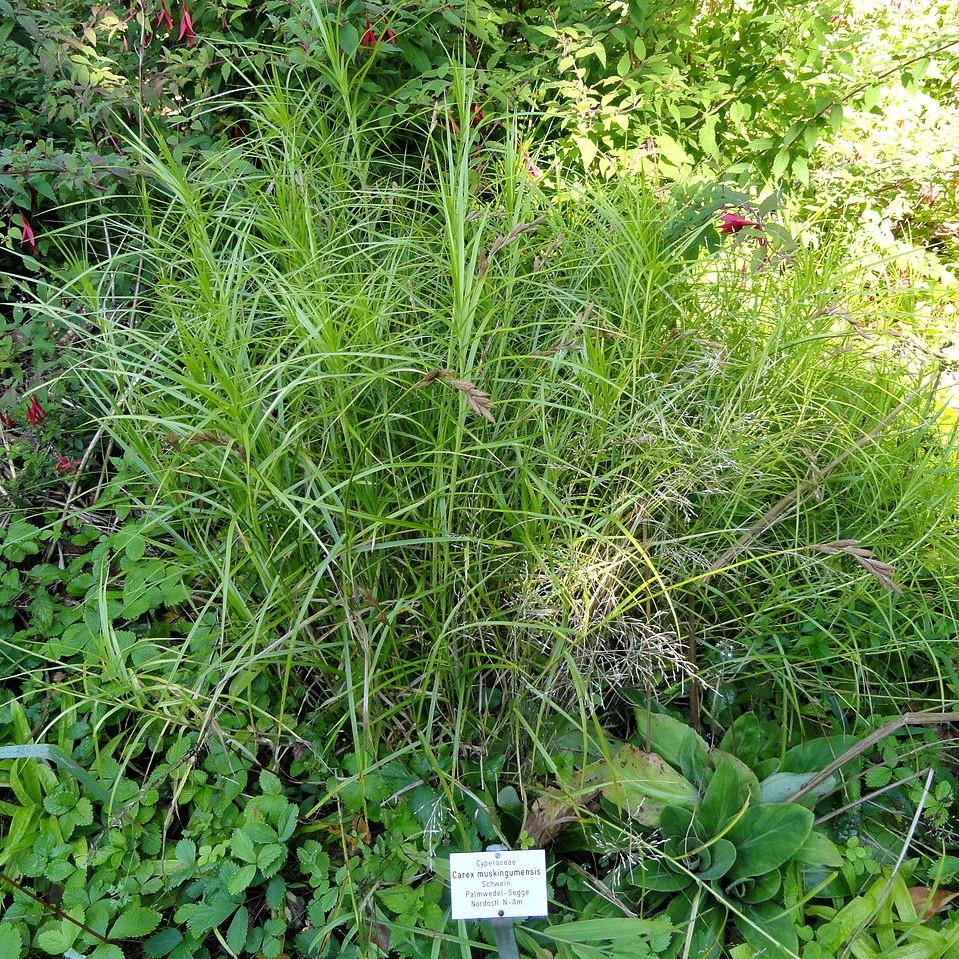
{"x": 548, "y": 817}
{"x": 928, "y": 903}
{"x": 479, "y": 402}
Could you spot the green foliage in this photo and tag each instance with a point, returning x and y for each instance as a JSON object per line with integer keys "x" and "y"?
{"x": 413, "y": 462}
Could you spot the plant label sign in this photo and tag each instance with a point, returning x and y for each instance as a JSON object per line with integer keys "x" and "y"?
{"x": 498, "y": 885}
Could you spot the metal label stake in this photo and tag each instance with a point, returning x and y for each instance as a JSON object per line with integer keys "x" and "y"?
{"x": 504, "y": 935}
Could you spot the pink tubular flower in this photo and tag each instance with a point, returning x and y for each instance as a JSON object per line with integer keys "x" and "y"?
{"x": 186, "y": 31}
{"x": 389, "y": 36}
{"x": 476, "y": 117}
{"x": 28, "y": 237}
{"x": 732, "y": 223}
{"x": 369, "y": 37}
{"x": 35, "y": 412}
{"x": 6, "y": 420}
{"x": 64, "y": 464}
{"x": 531, "y": 168}
{"x": 164, "y": 20}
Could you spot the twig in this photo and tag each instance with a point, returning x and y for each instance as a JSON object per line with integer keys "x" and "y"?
{"x": 867, "y": 742}
{"x": 56, "y": 910}
{"x": 895, "y": 869}
{"x": 868, "y": 798}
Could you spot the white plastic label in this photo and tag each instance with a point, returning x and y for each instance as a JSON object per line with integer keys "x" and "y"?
{"x": 495, "y": 885}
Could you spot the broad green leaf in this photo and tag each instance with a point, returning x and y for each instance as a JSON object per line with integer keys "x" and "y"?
{"x": 767, "y": 836}
{"x": 771, "y": 934}
{"x": 237, "y": 930}
{"x": 587, "y": 150}
{"x": 819, "y": 850}
{"x": 761, "y": 888}
{"x": 349, "y": 38}
{"x": 816, "y": 754}
{"x": 52, "y": 940}
{"x": 185, "y": 852}
{"x": 670, "y": 738}
{"x": 241, "y": 879}
{"x": 780, "y": 163}
{"x": 162, "y": 943}
{"x": 270, "y": 784}
{"x": 107, "y": 950}
{"x": 746, "y": 776}
{"x": 724, "y": 798}
{"x": 656, "y": 875}
{"x": 642, "y": 785}
{"x": 778, "y": 787}
{"x": 672, "y": 151}
{"x": 270, "y": 858}
{"x": 210, "y": 914}
{"x": 242, "y": 846}
{"x": 135, "y": 922}
{"x": 721, "y": 855}
{"x": 707, "y": 137}
{"x": 11, "y": 944}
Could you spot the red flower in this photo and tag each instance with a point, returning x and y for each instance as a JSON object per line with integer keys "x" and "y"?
{"x": 28, "y": 238}
{"x": 6, "y": 420}
{"x": 389, "y": 36}
{"x": 64, "y": 464}
{"x": 369, "y": 38}
{"x": 35, "y": 412}
{"x": 164, "y": 20}
{"x": 732, "y": 223}
{"x": 477, "y": 116}
{"x": 186, "y": 31}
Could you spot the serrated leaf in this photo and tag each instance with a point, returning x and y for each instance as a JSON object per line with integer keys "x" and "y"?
{"x": 185, "y": 852}
{"x": 237, "y": 931}
{"x": 780, "y": 163}
{"x": 52, "y": 940}
{"x": 243, "y": 846}
{"x": 672, "y": 151}
{"x": 270, "y": 784}
{"x": 271, "y": 858}
{"x": 135, "y": 922}
{"x": 11, "y": 943}
{"x": 707, "y": 138}
{"x": 106, "y": 951}
{"x": 210, "y": 914}
{"x": 162, "y": 943}
{"x": 241, "y": 879}
{"x": 878, "y": 776}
